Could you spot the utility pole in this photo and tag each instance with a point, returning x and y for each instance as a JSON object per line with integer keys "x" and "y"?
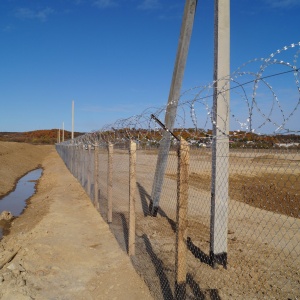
{"x": 220, "y": 149}
{"x": 63, "y": 131}
{"x": 174, "y": 94}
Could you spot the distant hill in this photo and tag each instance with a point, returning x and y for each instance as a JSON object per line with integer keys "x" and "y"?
{"x": 240, "y": 140}
{"x": 47, "y": 136}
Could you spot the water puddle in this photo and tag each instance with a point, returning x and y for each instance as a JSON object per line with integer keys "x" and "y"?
{"x": 15, "y": 202}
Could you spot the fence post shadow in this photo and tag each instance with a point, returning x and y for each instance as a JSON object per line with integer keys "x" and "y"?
{"x": 102, "y": 202}
{"x": 214, "y": 294}
{"x": 171, "y": 222}
{"x": 143, "y": 196}
{"x": 147, "y": 209}
{"x": 198, "y": 293}
{"x": 158, "y": 265}
{"x": 194, "y": 287}
{"x": 198, "y": 253}
{"x": 125, "y": 230}
{"x": 84, "y": 184}
{"x": 92, "y": 193}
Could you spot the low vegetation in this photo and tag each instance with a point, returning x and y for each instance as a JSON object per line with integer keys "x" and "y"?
{"x": 49, "y": 136}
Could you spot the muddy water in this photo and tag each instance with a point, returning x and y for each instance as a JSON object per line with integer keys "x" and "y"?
{"x": 15, "y": 202}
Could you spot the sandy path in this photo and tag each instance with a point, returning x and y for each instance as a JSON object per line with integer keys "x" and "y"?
{"x": 64, "y": 249}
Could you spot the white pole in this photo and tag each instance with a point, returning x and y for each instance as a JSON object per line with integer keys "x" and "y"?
{"x": 63, "y": 131}
{"x": 174, "y": 94}
{"x": 220, "y": 150}
{"x": 72, "y": 137}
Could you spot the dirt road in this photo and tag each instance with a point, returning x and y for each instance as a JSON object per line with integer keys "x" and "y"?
{"x": 61, "y": 248}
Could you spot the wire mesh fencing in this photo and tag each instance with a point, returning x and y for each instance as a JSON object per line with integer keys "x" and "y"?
{"x": 222, "y": 220}
{"x": 262, "y": 238}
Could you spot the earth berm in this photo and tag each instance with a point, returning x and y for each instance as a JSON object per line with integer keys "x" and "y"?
{"x": 60, "y": 247}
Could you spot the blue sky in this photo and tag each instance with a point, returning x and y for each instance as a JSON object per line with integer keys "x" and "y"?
{"x": 115, "y": 58}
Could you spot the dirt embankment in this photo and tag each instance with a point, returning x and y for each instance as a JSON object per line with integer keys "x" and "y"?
{"x": 60, "y": 247}
{"x": 17, "y": 159}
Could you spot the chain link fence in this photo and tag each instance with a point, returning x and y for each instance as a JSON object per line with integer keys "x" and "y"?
{"x": 227, "y": 224}
{"x": 263, "y": 234}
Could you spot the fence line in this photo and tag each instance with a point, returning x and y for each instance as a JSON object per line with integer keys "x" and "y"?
{"x": 263, "y": 229}
{"x": 172, "y": 251}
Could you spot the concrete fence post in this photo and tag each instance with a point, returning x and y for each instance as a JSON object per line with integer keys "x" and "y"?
{"x": 77, "y": 159}
{"x": 181, "y": 219}
{"x": 220, "y": 147}
{"x": 83, "y": 167}
{"x": 109, "y": 181}
{"x": 89, "y": 171}
{"x": 174, "y": 95}
{"x": 96, "y": 176}
{"x": 132, "y": 190}
{"x": 71, "y": 153}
